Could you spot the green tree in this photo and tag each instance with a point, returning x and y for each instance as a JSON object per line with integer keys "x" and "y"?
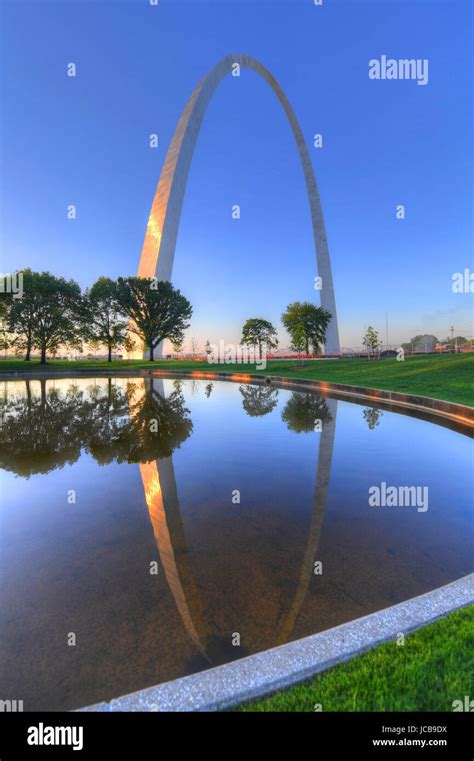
{"x": 21, "y": 314}
{"x": 306, "y": 325}
{"x": 104, "y": 321}
{"x": 259, "y": 333}
{"x": 371, "y": 341}
{"x": 57, "y": 312}
{"x": 156, "y": 310}
{"x": 6, "y": 339}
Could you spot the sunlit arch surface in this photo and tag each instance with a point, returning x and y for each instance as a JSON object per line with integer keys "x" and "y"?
{"x": 160, "y": 239}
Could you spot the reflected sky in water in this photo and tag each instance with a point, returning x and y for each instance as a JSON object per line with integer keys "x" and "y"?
{"x": 153, "y": 466}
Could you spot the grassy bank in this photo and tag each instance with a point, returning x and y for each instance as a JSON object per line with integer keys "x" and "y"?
{"x": 431, "y": 670}
{"x": 448, "y": 376}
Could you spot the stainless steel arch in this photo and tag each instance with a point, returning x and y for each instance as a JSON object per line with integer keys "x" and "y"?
{"x": 160, "y": 239}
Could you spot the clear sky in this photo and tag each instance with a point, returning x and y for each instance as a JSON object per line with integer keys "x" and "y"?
{"x": 85, "y": 141}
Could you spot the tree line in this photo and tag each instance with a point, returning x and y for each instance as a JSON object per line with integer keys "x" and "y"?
{"x": 131, "y": 312}
{"x": 305, "y": 323}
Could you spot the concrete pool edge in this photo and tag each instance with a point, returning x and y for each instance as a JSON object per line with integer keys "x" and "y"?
{"x": 459, "y": 414}
{"x": 266, "y": 672}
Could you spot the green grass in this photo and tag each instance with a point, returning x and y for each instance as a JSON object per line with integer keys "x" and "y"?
{"x": 448, "y": 377}
{"x": 432, "y": 669}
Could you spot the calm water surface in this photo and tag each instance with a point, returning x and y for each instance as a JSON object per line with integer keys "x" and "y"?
{"x": 155, "y": 523}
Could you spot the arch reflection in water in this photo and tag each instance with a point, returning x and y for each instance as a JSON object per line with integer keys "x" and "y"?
{"x": 163, "y": 504}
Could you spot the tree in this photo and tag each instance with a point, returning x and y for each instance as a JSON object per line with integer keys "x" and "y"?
{"x": 423, "y": 342}
{"x": 104, "y": 321}
{"x": 194, "y": 346}
{"x": 372, "y": 417}
{"x": 457, "y": 341}
{"x": 21, "y": 314}
{"x": 5, "y": 335}
{"x": 57, "y": 312}
{"x": 259, "y": 333}
{"x": 371, "y": 341}
{"x": 307, "y": 325}
{"x": 302, "y": 412}
{"x": 258, "y": 400}
{"x": 156, "y": 310}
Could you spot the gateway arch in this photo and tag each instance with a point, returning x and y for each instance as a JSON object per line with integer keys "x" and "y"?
{"x": 162, "y": 230}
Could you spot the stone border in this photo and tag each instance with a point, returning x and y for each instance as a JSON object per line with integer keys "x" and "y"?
{"x": 457, "y": 416}
{"x": 258, "y": 675}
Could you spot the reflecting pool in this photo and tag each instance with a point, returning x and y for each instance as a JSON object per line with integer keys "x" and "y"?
{"x": 151, "y": 528}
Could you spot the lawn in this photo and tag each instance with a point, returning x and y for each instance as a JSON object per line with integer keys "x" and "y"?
{"x": 432, "y": 669}
{"x": 447, "y": 376}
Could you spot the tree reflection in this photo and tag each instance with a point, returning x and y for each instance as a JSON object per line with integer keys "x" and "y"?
{"x": 372, "y": 417}
{"x": 258, "y": 400}
{"x": 40, "y": 432}
{"x": 303, "y": 410}
{"x": 134, "y": 423}
{"x": 155, "y": 427}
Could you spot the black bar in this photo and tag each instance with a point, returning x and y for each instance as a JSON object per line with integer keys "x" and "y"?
{"x": 313, "y": 735}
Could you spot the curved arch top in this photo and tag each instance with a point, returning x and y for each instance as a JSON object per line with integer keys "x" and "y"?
{"x": 162, "y": 230}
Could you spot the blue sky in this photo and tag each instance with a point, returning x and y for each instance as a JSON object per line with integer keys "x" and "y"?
{"x": 84, "y": 141}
